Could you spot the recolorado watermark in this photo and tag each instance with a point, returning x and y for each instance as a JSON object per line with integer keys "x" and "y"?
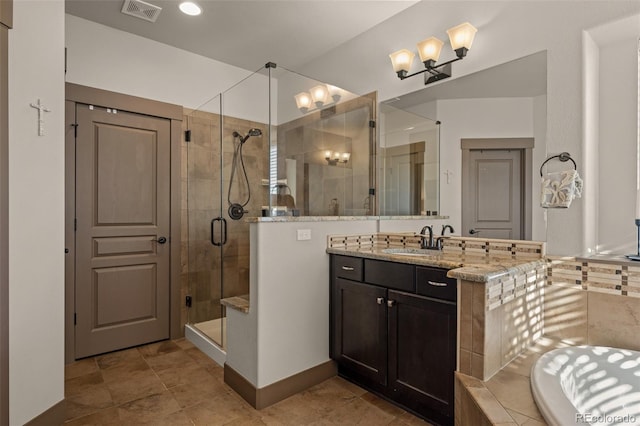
{"x": 588, "y": 418}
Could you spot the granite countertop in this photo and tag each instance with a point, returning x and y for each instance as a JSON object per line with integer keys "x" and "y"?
{"x": 617, "y": 259}
{"x": 337, "y": 218}
{"x": 479, "y": 268}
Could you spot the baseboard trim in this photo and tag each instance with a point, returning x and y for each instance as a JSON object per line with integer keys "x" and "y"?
{"x": 55, "y": 415}
{"x": 275, "y": 392}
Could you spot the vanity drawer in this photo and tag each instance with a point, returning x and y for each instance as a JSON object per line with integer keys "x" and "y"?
{"x": 433, "y": 282}
{"x": 397, "y": 276}
{"x": 348, "y": 267}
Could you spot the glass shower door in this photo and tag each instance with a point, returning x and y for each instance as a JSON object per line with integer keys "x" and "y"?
{"x": 245, "y": 177}
{"x": 206, "y": 231}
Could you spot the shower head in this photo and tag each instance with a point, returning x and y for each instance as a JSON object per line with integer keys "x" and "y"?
{"x": 251, "y": 132}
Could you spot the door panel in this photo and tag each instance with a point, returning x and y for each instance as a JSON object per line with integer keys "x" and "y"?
{"x": 126, "y": 169}
{"x": 122, "y": 211}
{"x": 492, "y": 194}
{"x": 360, "y": 321}
{"x": 422, "y": 332}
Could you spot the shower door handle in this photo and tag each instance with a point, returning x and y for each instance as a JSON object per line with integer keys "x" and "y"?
{"x": 213, "y": 240}
{"x": 223, "y": 227}
{"x": 224, "y": 231}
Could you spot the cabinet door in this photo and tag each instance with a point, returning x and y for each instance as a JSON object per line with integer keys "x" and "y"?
{"x": 422, "y": 359}
{"x": 359, "y": 332}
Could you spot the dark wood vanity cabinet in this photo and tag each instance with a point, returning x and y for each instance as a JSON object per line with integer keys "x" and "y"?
{"x": 393, "y": 331}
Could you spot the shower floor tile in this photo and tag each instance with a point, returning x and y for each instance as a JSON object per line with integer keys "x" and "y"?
{"x": 215, "y": 330}
{"x": 177, "y": 384}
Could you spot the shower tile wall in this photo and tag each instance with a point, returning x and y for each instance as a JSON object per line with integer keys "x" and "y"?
{"x": 201, "y": 261}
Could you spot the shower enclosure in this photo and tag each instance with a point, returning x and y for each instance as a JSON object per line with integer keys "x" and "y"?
{"x": 275, "y": 144}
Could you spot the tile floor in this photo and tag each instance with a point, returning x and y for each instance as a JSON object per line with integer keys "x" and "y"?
{"x": 174, "y": 383}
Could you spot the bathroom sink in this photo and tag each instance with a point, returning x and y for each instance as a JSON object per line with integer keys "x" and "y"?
{"x": 411, "y": 252}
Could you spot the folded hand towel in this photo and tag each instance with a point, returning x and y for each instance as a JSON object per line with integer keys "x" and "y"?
{"x": 559, "y": 189}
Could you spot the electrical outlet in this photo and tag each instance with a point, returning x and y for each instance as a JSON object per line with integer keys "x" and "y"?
{"x": 304, "y": 234}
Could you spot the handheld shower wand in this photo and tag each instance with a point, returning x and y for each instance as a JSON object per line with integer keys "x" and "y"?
{"x": 236, "y": 210}
{"x": 251, "y": 132}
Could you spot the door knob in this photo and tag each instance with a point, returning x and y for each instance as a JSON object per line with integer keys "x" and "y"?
{"x": 161, "y": 240}
{"x": 473, "y": 231}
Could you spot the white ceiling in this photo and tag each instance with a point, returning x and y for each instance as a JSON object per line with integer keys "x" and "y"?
{"x": 249, "y": 34}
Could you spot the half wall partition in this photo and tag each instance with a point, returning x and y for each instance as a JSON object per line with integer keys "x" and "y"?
{"x": 258, "y": 150}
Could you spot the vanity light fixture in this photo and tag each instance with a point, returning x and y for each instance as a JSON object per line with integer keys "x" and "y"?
{"x": 461, "y": 38}
{"x": 333, "y": 157}
{"x": 190, "y": 8}
{"x": 319, "y": 96}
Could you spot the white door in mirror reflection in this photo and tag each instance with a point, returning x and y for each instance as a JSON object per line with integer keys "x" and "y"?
{"x": 492, "y": 194}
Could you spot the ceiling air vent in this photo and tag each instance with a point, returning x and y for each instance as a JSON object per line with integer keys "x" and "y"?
{"x": 141, "y": 9}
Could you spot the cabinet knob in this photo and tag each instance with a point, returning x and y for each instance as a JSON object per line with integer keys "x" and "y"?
{"x": 380, "y": 300}
{"x": 390, "y": 303}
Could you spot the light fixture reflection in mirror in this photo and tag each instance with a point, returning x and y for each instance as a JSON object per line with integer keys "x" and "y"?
{"x": 334, "y": 158}
{"x": 321, "y": 95}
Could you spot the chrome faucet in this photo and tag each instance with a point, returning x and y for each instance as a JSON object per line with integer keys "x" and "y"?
{"x": 424, "y": 242}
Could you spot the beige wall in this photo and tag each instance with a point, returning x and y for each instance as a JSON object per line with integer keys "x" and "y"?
{"x": 6, "y": 16}
{"x": 36, "y": 210}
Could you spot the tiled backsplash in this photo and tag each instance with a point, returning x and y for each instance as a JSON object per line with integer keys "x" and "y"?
{"x": 620, "y": 279}
{"x": 471, "y": 246}
{"x": 592, "y": 301}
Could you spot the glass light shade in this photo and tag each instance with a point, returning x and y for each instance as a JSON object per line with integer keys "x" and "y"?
{"x": 303, "y": 100}
{"x": 401, "y": 60}
{"x": 345, "y": 157}
{"x": 190, "y": 8}
{"x": 462, "y": 36}
{"x": 327, "y": 155}
{"x": 320, "y": 94}
{"x": 429, "y": 49}
{"x": 336, "y": 155}
{"x": 334, "y": 92}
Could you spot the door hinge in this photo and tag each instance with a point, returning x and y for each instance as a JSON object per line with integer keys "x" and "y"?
{"x": 75, "y": 130}
{"x": 187, "y": 301}
{"x": 372, "y": 124}
{"x": 187, "y": 135}
{"x": 75, "y": 318}
{"x": 75, "y": 224}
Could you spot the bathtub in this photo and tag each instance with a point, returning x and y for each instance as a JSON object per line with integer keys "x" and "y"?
{"x": 588, "y": 385}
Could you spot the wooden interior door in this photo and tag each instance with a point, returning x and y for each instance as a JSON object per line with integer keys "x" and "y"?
{"x": 492, "y": 194}
{"x": 122, "y": 225}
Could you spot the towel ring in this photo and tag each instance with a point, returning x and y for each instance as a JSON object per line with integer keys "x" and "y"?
{"x": 563, "y": 156}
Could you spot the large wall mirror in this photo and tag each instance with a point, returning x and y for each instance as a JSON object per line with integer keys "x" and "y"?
{"x": 409, "y": 163}
{"x": 505, "y": 102}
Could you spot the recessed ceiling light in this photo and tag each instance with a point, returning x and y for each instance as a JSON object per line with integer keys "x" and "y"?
{"x": 190, "y": 8}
